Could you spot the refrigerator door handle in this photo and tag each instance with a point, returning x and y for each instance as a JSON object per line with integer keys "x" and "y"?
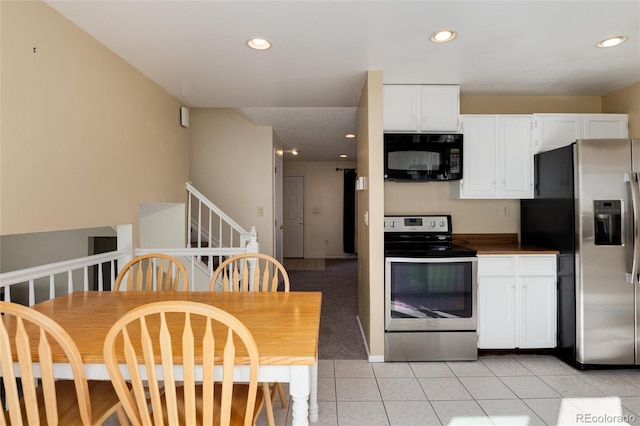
{"x": 632, "y": 178}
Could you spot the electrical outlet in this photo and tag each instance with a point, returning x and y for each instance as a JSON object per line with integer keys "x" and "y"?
{"x": 260, "y": 211}
{"x": 506, "y": 211}
{"x": 326, "y": 242}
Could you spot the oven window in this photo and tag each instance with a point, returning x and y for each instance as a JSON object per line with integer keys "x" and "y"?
{"x": 435, "y": 290}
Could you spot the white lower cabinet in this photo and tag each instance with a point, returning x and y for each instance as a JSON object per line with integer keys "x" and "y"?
{"x": 517, "y": 301}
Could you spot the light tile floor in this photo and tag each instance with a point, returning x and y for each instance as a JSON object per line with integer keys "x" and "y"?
{"x": 498, "y": 389}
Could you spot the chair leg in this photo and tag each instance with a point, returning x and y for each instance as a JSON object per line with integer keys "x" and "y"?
{"x": 283, "y": 398}
{"x": 268, "y": 403}
{"x": 122, "y": 416}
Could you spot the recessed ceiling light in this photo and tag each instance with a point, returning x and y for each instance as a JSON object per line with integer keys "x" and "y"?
{"x": 343, "y": 155}
{"x": 349, "y": 136}
{"x": 258, "y": 43}
{"x": 612, "y": 41}
{"x": 443, "y": 36}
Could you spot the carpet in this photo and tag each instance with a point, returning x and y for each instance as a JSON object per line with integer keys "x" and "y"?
{"x": 307, "y": 264}
{"x": 340, "y": 336}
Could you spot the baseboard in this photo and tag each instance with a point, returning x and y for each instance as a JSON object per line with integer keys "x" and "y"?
{"x": 371, "y": 358}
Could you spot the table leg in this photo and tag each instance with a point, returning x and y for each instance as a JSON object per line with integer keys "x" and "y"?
{"x": 313, "y": 393}
{"x": 299, "y": 389}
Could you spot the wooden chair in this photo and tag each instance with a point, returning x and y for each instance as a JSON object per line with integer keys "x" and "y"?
{"x": 48, "y": 401}
{"x": 177, "y": 332}
{"x": 152, "y": 272}
{"x": 254, "y": 272}
{"x": 250, "y": 272}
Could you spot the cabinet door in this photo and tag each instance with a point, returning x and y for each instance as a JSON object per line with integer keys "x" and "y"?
{"x": 515, "y": 157}
{"x": 556, "y": 130}
{"x": 537, "y": 312}
{"x": 400, "y": 108}
{"x": 605, "y": 126}
{"x": 479, "y": 156}
{"x": 439, "y": 108}
{"x": 496, "y": 312}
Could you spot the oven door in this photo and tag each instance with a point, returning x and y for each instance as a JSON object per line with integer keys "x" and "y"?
{"x": 431, "y": 294}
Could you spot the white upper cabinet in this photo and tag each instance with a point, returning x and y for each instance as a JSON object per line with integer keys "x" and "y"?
{"x": 558, "y": 130}
{"x": 605, "y": 126}
{"x": 497, "y": 160}
{"x": 421, "y": 108}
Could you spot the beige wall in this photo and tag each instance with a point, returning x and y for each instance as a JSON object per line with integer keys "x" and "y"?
{"x": 371, "y": 205}
{"x": 479, "y": 216}
{"x": 232, "y": 165}
{"x": 85, "y": 137}
{"x": 529, "y": 104}
{"x": 323, "y": 201}
{"x": 627, "y": 101}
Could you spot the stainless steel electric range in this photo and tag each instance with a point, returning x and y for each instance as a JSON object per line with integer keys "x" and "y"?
{"x": 430, "y": 291}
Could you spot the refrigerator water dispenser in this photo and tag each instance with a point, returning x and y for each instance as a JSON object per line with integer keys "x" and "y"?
{"x": 607, "y": 222}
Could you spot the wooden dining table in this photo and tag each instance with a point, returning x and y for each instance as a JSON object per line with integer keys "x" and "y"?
{"x": 285, "y": 326}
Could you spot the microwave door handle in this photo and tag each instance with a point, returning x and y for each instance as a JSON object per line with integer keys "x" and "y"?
{"x": 634, "y": 185}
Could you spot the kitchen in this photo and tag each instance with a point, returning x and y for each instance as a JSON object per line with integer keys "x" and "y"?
{"x": 491, "y": 216}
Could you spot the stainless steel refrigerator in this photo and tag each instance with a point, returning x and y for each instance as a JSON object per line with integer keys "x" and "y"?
{"x": 586, "y": 205}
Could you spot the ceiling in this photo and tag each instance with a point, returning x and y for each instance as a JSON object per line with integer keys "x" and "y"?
{"x": 307, "y": 86}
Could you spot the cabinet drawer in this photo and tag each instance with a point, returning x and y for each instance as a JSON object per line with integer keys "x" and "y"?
{"x": 537, "y": 265}
{"x": 496, "y": 265}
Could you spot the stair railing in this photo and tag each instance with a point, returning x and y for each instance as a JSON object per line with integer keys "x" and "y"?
{"x": 59, "y": 278}
{"x": 62, "y": 277}
{"x": 209, "y": 226}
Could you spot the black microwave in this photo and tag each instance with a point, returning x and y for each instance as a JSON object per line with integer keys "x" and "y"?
{"x": 422, "y": 157}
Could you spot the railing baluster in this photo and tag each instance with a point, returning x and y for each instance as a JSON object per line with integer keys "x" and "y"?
{"x": 70, "y": 281}
{"x": 32, "y": 292}
{"x": 86, "y": 279}
{"x": 52, "y": 286}
{"x": 100, "y": 278}
{"x": 189, "y": 220}
{"x": 210, "y": 235}
{"x": 113, "y": 272}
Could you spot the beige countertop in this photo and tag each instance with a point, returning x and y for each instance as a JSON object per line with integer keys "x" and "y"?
{"x": 498, "y": 244}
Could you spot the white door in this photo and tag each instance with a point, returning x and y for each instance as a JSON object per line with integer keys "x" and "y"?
{"x": 400, "y": 108}
{"x": 439, "y": 108}
{"x": 278, "y": 226}
{"x": 479, "y": 160}
{"x": 515, "y": 157}
{"x": 606, "y": 126}
{"x": 556, "y": 130}
{"x": 293, "y": 200}
{"x": 496, "y": 312}
{"x": 537, "y": 312}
